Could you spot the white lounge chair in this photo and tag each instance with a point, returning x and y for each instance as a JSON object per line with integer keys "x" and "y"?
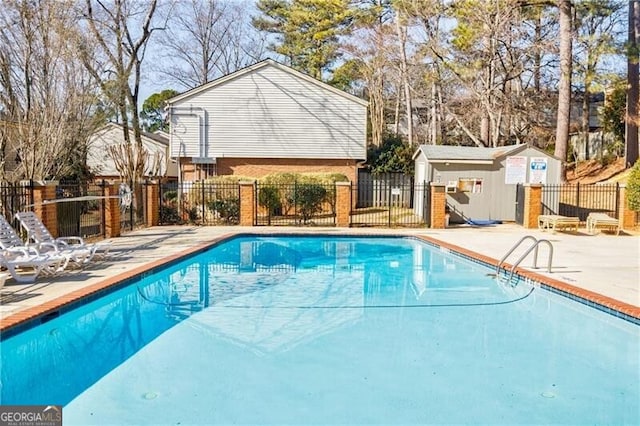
{"x": 556, "y": 222}
{"x": 39, "y": 234}
{"x": 25, "y": 267}
{"x": 597, "y": 221}
{"x": 3, "y": 279}
{"x": 10, "y": 240}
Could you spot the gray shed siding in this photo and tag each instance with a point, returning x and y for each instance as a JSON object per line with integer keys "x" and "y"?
{"x": 497, "y": 199}
{"x": 269, "y": 113}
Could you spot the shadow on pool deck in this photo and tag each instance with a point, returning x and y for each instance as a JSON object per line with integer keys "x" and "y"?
{"x": 605, "y": 264}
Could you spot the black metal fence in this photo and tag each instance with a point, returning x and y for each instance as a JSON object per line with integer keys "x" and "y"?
{"x": 296, "y": 204}
{"x": 132, "y": 215}
{"x": 577, "y": 200}
{"x": 201, "y": 202}
{"x": 83, "y": 214}
{"x": 398, "y": 203}
{"x": 15, "y": 197}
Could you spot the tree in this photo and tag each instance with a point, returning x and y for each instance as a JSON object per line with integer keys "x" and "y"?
{"x": 112, "y": 47}
{"x": 597, "y": 23}
{"x": 152, "y": 114}
{"x": 613, "y": 112}
{"x": 369, "y": 61}
{"x": 47, "y": 100}
{"x": 564, "y": 88}
{"x": 393, "y": 156}
{"x": 633, "y": 85}
{"x": 206, "y": 39}
{"x": 633, "y": 187}
{"x": 307, "y": 31}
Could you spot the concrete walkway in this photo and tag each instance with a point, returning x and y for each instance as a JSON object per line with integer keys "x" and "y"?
{"x": 604, "y": 263}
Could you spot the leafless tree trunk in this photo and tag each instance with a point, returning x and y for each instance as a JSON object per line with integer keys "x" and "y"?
{"x": 564, "y": 89}
{"x": 116, "y": 44}
{"x": 47, "y": 98}
{"x": 401, "y": 31}
{"x": 633, "y": 86}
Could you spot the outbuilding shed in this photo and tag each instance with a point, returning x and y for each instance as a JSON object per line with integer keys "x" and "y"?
{"x": 481, "y": 182}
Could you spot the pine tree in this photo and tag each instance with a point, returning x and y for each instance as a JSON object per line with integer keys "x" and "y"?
{"x": 308, "y": 31}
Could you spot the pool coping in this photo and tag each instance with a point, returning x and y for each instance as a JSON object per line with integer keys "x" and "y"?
{"x": 14, "y": 323}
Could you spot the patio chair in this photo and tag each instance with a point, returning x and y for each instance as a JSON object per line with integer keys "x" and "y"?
{"x": 10, "y": 240}
{"x": 25, "y": 267}
{"x": 39, "y": 234}
{"x": 596, "y": 221}
{"x": 558, "y": 222}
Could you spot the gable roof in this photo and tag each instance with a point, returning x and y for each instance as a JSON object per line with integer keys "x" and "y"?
{"x": 252, "y": 68}
{"x": 159, "y": 138}
{"x": 469, "y": 154}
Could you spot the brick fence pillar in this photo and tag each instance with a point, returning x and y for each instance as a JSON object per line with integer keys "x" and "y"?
{"x": 153, "y": 204}
{"x": 247, "y": 203}
{"x": 626, "y": 216}
{"x": 47, "y": 212}
{"x": 532, "y": 205}
{"x": 112, "y": 211}
{"x": 343, "y": 204}
{"x": 438, "y": 206}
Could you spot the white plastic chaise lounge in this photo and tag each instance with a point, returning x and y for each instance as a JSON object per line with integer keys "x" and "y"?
{"x": 11, "y": 241}
{"x": 39, "y": 234}
{"x": 25, "y": 267}
{"x": 556, "y": 222}
{"x": 596, "y": 221}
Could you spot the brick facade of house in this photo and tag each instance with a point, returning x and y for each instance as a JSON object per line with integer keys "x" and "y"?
{"x": 259, "y": 167}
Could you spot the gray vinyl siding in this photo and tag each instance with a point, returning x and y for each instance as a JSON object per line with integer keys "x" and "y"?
{"x": 185, "y": 135}
{"x": 270, "y": 113}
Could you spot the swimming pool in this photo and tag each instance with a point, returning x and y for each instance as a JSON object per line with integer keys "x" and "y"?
{"x": 328, "y": 330}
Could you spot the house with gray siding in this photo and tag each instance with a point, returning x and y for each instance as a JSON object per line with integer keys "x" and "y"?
{"x": 481, "y": 182}
{"x": 103, "y": 166}
{"x": 267, "y": 118}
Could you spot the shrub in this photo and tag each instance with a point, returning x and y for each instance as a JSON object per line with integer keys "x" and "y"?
{"x": 169, "y": 215}
{"x": 633, "y": 187}
{"x": 170, "y": 195}
{"x": 228, "y": 209}
{"x": 309, "y": 198}
{"x": 269, "y": 198}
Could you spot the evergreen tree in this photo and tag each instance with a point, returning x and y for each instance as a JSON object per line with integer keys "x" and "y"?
{"x": 308, "y": 31}
{"x": 152, "y": 114}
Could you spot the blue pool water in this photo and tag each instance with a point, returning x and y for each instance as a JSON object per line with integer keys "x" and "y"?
{"x": 328, "y": 330}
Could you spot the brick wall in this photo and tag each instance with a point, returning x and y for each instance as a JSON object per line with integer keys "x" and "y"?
{"x": 343, "y": 204}
{"x": 47, "y": 212}
{"x": 258, "y": 167}
{"x": 112, "y": 211}
{"x": 627, "y": 216}
{"x": 532, "y": 205}
{"x": 247, "y": 203}
{"x": 153, "y": 204}
{"x": 438, "y": 206}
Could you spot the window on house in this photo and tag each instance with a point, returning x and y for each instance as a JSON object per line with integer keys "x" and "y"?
{"x": 204, "y": 171}
{"x": 472, "y": 185}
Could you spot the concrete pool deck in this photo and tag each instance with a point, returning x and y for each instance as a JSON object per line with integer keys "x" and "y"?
{"x": 602, "y": 264}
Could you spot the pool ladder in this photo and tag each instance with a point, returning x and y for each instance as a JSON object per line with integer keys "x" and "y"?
{"x": 533, "y": 247}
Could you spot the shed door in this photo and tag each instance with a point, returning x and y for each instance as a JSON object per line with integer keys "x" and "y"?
{"x": 520, "y": 204}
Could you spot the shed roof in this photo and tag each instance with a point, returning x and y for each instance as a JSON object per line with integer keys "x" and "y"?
{"x": 468, "y": 154}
